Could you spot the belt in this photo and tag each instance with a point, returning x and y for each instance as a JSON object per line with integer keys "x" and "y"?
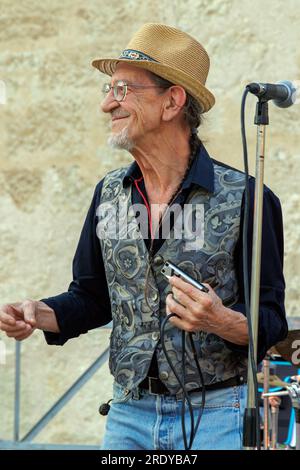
{"x": 155, "y": 386}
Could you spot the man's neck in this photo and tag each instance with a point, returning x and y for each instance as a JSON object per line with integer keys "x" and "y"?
{"x": 163, "y": 164}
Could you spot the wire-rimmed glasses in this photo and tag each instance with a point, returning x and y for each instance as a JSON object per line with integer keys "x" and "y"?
{"x": 120, "y": 88}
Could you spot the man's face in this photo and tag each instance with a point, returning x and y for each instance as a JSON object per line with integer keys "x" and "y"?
{"x": 138, "y": 116}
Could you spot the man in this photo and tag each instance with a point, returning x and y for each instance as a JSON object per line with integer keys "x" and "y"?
{"x": 156, "y": 98}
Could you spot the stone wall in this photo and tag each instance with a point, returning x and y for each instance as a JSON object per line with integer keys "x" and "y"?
{"x": 53, "y": 151}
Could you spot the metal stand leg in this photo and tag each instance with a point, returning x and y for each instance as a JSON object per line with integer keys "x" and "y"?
{"x": 266, "y": 372}
{"x": 274, "y": 426}
{"x": 297, "y": 414}
{"x": 17, "y": 391}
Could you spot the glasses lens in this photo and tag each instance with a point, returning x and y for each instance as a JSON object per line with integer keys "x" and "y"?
{"x": 106, "y": 88}
{"x": 120, "y": 89}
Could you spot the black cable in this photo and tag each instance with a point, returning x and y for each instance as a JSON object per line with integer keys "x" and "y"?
{"x": 182, "y": 385}
{"x": 245, "y": 265}
{"x": 183, "y": 401}
{"x": 201, "y": 380}
{"x": 194, "y": 427}
{"x": 186, "y": 398}
{"x": 186, "y": 446}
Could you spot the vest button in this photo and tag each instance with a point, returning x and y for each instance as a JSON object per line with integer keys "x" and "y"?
{"x": 154, "y": 296}
{"x": 164, "y": 375}
{"x": 158, "y": 261}
{"x": 155, "y": 335}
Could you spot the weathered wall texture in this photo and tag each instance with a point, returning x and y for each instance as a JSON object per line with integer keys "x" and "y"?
{"x": 53, "y": 151}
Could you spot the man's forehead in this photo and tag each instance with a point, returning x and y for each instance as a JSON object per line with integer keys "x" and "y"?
{"x": 130, "y": 72}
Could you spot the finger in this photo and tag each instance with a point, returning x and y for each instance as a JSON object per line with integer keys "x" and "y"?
{"x": 21, "y": 334}
{"x": 187, "y": 288}
{"x": 24, "y": 335}
{"x": 167, "y": 304}
{"x": 6, "y": 318}
{"x": 29, "y": 312}
{"x": 14, "y": 329}
{"x": 175, "y": 307}
{"x": 182, "y": 324}
{"x": 15, "y": 310}
{"x": 184, "y": 299}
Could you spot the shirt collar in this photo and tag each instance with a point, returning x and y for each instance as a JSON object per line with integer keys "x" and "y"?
{"x": 201, "y": 172}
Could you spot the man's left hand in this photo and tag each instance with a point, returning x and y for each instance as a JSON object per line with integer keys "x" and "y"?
{"x": 196, "y": 310}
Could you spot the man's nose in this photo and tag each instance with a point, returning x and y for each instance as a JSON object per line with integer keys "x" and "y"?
{"x": 109, "y": 103}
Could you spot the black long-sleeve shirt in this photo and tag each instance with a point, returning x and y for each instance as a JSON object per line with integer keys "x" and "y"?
{"x": 86, "y": 304}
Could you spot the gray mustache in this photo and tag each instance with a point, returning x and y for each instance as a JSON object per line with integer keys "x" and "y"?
{"x": 119, "y": 114}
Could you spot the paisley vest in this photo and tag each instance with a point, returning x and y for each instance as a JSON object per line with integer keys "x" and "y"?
{"x": 138, "y": 309}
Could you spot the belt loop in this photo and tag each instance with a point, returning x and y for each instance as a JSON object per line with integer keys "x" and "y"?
{"x": 136, "y": 394}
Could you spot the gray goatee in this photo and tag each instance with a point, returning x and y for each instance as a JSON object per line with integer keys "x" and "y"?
{"x": 121, "y": 140}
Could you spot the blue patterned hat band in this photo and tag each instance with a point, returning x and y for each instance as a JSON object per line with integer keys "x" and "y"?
{"x": 132, "y": 54}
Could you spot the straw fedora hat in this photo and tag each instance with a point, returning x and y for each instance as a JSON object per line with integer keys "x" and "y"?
{"x": 169, "y": 53}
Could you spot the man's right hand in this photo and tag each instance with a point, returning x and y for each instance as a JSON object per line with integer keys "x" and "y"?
{"x": 18, "y": 320}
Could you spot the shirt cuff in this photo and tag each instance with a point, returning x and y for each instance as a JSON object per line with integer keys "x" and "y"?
{"x": 66, "y": 324}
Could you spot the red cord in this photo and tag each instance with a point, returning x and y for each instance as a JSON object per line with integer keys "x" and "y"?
{"x": 146, "y": 204}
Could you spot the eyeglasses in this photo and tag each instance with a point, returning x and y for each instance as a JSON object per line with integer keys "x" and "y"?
{"x": 120, "y": 89}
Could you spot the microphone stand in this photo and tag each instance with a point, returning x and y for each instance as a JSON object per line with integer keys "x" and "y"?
{"x": 261, "y": 120}
{"x": 266, "y": 372}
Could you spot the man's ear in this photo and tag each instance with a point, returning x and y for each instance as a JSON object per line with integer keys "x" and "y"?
{"x": 175, "y": 101}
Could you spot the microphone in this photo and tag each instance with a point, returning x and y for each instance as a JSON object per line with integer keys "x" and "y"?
{"x": 283, "y": 93}
{"x": 104, "y": 408}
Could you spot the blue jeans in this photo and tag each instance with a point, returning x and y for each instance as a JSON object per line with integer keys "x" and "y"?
{"x": 140, "y": 421}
